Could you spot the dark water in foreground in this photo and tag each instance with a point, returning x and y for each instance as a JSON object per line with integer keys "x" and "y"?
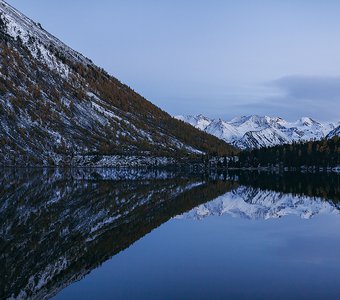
{"x": 108, "y": 234}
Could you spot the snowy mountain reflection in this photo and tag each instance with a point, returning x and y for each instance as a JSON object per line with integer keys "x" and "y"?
{"x": 266, "y": 196}
{"x": 58, "y": 225}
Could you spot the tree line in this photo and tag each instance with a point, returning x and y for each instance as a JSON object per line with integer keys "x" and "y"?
{"x": 318, "y": 154}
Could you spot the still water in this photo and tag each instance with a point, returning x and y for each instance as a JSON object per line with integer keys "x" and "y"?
{"x": 138, "y": 234}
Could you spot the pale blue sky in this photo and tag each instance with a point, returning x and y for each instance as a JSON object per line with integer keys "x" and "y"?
{"x": 220, "y": 58}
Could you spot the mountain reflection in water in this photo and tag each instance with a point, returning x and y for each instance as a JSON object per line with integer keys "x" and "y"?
{"x": 58, "y": 225}
{"x": 266, "y": 196}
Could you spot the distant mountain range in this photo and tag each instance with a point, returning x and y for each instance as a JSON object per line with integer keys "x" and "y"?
{"x": 255, "y": 131}
{"x": 58, "y": 108}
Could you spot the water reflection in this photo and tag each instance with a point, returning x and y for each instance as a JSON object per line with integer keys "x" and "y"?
{"x": 266, "y": 195}
{"x": 58, "y": 225}
{"x": 255, "y": 203}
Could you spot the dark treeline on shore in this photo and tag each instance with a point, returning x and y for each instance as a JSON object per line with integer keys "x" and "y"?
{"x": 318, "y": 154}
{"x": 322, "y": 185}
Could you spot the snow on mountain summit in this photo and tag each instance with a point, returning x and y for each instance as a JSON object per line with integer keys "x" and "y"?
{"x": 254, "y": 131}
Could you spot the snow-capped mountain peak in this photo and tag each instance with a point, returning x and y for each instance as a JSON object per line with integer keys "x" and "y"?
{"x": 256, "y": 131}
{"x": 199, "y": 121}
{"x": 305, "y": 121}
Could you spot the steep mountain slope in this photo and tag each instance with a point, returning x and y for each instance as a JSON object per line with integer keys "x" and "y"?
{"x": 334, "y": 132}
{"x": 57, "y": 107}
{"x": 257, "y": 131}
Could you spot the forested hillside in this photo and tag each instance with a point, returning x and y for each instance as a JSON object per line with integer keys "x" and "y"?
{"x": 58, "y": 108}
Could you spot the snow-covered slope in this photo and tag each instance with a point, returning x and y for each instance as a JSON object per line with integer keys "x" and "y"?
{"x": 41, "y": 44}
{"x": 254, "y": 203}
{"x": 58, "y": 108}
{"x": 260, "y": 131}
{"x": 334, "y": 132}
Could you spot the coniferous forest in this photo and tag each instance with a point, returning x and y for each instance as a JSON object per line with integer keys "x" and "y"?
{"x": 318, "y": 154}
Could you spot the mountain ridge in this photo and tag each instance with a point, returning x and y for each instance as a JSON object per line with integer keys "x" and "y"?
{"x": 248, "y": 132}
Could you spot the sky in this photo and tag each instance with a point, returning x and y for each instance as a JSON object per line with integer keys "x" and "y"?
{"x": 219, "y": 58}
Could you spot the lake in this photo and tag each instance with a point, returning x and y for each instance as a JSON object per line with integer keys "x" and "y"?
{"x": 154, "y": 234}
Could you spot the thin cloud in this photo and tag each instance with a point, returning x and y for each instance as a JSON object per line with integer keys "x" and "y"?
{"x": 310, "y": 88}
{"x": 314, "y": 96}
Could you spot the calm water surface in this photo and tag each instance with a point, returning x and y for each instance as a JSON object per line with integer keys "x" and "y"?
{"x": 115, "y": 234}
